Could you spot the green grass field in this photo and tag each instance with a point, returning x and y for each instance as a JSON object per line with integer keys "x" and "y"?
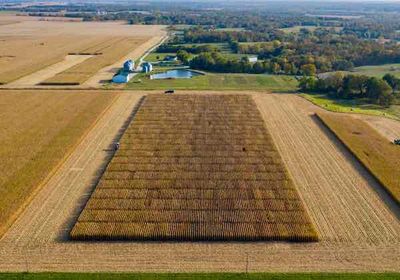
{"x": 199, "y": 276}
{"x": 352, "y": 106}
{"x": 378, "y": 70}
{"x": 272, "y": 83}
{"x": 296, "y": 29}
{"x": 152, "y": 57}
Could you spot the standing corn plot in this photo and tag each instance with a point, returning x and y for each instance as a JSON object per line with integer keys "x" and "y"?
{"x": 195, "y": 167}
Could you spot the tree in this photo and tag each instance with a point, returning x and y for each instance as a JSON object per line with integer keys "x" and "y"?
{"x": 183, "y": 56}
{"x": 308, "y": 69}
{"x": 355, "y": 85}
{"x": 334, "y": 82}
{"x": 380, "y": 91}
{"x": 308, "y": 84}
{"x": 393, "y": 82}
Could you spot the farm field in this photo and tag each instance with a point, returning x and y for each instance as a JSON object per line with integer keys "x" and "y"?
{"x": 214, "y": 174}
{"x": 273, "y": 83}
{"x": 356, "y": 220}
{"x": 103, "y": 54}
{"x": 38, "y": 130}
{"x": 378, "y": 155}
{"x": 52, "y": 41}
{"x": 378, "y": 70}
{"x": 202, "y": 276}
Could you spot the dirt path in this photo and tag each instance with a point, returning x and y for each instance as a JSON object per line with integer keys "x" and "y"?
{"x": 357, "y": 223}
{"x": 48, "y": 72}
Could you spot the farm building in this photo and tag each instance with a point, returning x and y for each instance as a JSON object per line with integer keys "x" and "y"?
{"x": 121, "y": 78}
{"x": 253, "y": 59}
{"x": 147, "y": 67}
{"x": 129, "y": 65}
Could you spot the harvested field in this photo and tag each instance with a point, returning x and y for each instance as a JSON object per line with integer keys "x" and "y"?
{"x": 51, "y": 42}
{"x": 356, "y": 220}
{"x": 48, "y": 72}
{"x": 104, "y": 54}
{"x": 16, "y": 52}
{"x": 376, "y": 153}
{"x": 195, "y": 168}
{"x": 37, "y": 130}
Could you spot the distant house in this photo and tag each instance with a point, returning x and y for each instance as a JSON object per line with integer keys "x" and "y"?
{"x": 129, "y": 65}
{"x": 147, "y": 67}
{"x": 253, "y": 58}
{"x": 121, "y": 78}
{"x": 170, "y": 58}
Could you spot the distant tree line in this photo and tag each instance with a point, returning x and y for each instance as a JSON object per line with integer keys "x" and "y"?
{"x": 381, "y": 91}
{"x": 194, "y": 49}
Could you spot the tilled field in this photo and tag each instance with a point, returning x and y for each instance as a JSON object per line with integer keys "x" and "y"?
{"x": 196, "y": 168}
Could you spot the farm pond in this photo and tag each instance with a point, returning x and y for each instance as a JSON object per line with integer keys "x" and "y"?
{"x": 175, "y": 74}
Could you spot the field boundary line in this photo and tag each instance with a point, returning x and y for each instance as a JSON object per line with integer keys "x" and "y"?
{"x": 4, "y": 228}
{"x": 348, "y": 148}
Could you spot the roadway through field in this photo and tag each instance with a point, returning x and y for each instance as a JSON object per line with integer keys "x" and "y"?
{"x": 358, "y": 224}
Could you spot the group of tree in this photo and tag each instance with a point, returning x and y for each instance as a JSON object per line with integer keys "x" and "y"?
{"x": 382, "y": 91}
{"x": 193, "y": 49}
{"x": 202, "y": 35}
{"x": 219, "y": 62}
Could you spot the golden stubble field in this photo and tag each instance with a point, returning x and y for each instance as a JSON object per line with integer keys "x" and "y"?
{"x": 357, "y": 222}
{"x": 29, "y": 45}
{"x": 38, "y": 129}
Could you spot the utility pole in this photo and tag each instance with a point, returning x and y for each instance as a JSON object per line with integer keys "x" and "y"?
{"x": 247, "y": 263}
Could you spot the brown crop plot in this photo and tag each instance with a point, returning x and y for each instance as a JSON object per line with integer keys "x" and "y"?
{"x": 376, "y": 153}
{"x": 38, "y": 128}
{"x": 195, "y": 168}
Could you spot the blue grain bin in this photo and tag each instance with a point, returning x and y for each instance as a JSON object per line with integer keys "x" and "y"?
{"x": 129, "y": 65}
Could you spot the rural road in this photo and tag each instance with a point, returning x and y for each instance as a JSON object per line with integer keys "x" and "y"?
{"x": 357, "y": 222}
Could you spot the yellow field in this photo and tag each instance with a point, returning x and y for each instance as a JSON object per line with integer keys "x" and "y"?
{"x": 20, "y": 55}
{"x": 376, "y": 153}
{"x": 38, "y": 128}
{"x": 30, "y": 45}
{"x": 104, "y": 54}
{"x": 196, "y": 168}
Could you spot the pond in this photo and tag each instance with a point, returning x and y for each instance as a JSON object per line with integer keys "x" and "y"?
{"x": 175, "y": 74}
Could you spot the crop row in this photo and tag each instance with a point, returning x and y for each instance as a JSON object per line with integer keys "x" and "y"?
{"x": 196, "y": 168}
